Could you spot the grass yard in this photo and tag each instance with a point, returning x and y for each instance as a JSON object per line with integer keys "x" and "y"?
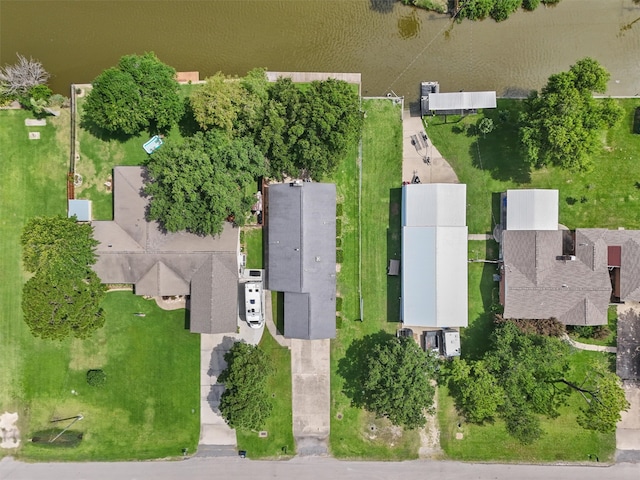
{"x": 32, "y": 182}
{"x": 564, "y": 440}
{"x": 606, "y": 197}
{"x": 149, "y": 406}
{"x": 279, "y": 443}
{"x": 100, "y": 152}
{"x": 253, "y": 247}
{"x": 356, "y": 433}
{"x": 143, "y": 411}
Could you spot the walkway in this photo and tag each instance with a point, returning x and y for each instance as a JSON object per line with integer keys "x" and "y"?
{"x": 588, "y": 346}
{"x": 413, "y": 163}
{"x": 311, "y": 395}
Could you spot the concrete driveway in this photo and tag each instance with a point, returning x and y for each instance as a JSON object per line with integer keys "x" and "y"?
{"x": 216, "y": 437}
{"x": 438, "y": 170}
{"x": 628, "y": 369}
{"x": 311, "y": 402}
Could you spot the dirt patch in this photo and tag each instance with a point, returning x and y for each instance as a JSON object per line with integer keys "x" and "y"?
{"x": 430, "y": 434}
{"x": 89, "y": 353}
{"x": 9, "y": 433}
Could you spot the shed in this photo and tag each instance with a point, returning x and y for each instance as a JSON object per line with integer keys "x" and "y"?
{"x": 81, "y": 209}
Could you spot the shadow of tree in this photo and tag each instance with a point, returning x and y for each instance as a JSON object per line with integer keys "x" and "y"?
{"x": 499, "y": 152}
{"x": 382, "y": 6}
{"x": 188, "y": 125}
{"x": 101, "y": 133}
{"x": 353, "y": 366}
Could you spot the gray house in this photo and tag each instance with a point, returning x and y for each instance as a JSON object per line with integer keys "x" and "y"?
{"x": 135, "y": 251}
{"x": 301, "y": 256}
{"x": 548, "y": 272}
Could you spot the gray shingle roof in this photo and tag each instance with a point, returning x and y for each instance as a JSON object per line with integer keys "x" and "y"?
{"x": 539, "y": 285}
{"x": 301, "y": 256}
{"x": 134, "y": 250}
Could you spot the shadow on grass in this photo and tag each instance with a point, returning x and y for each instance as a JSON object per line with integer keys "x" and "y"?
{"x": 279, "y": 312}
{"x": 102, "y": 134}
{"x": 475, "y": 338}
{"x": 499, "y": 152}
{"x": 353, "y": 366}
{"x": 188, "y": 125}
{"x": 393, "y": 252}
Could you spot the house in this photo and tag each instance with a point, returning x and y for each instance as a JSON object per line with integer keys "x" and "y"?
{"x": 133, "y": 250}
{"x": 549, "y": 272}
{"x": 434, "y": 255}
{"x": 301, "y": 256}
{"x": 433, "y": 102}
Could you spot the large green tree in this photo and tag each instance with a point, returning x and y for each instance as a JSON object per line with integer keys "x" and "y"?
{"x": 235, "y": 105}
{"x": 309, "y": 131}
{"x": 391, "y": 377}
{"x": 245, "y": 402}
{"x": 64, "y": 295}
{"x": 523, "y": 376}
{"x": 561, "y": 125}
{"x": 139, "y": 93}
{"x": 197, "y": 184}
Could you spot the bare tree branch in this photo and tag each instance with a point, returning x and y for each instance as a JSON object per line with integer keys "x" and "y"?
{"x": 20, "y": 77}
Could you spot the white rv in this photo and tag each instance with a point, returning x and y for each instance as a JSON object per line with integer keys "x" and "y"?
{"x": 253, "y": 303}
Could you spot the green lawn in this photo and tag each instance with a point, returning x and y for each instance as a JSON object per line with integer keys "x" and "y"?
{"x": 279, "y": 442}
{"x": 351, "y": 428}
{"x": 100, "y": 152}
{"x": 606, "y": 197}
{"x": 253, "y": 247}
{"x": 144, "y": 411}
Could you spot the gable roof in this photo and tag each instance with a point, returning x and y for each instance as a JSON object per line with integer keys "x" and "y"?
{"x": 539, "y": 284}
{"x": 134, "y": 250}
{"x": 434, "y": 255}
{"x": 301, "y": 256}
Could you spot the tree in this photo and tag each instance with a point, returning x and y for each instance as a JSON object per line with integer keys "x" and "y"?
{"x": 17, "y": 79}
{"x": 525, "y": 375}
{"x": 199, "y": 183}
{"x": 476, "y": 9}
{"x": 231, "y": 104}
{"x": 245, "y": 403}
{"x": 560, "y": 125}
{"x": 217, "y": 103}
{"x": 140, "y": 92}
{"x": 503, "y": 8}
{"x": 390, "y": 377}
{"x": 476, "y": 389}
{"x": 63, "y": 297}
{"x": 309, "y": 131}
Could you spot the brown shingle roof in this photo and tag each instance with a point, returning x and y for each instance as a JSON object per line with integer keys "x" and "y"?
{"x": 134, "y": 250}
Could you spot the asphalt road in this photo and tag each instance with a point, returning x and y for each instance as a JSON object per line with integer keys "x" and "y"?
{"x": 309, "y": 468}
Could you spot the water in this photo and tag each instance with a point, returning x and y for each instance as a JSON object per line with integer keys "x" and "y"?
{"x": 394, "y": 47}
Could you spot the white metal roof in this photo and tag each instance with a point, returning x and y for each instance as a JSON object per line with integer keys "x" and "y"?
{"x": 532, "y": 209}
{"x": 434, "y": 276}
{"x": 461, "y": 100}
{"x": 434, "y": 204}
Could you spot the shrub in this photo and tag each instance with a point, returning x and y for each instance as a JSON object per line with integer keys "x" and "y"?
{"x": 601, "y": 332}
{"x": 530, "y": 4}
{"x": 584, "y": 331}
{"x": 338, "y": 322}
{"x": 549, "y": 327}
{"x": 339, "y": 256}
{"x": 338, "y": 242}
{"x": 338, "y": 227}
{"x": 338, "y": 304}
{"x": 339, "y": 209}
{"x": 96, "y": 378}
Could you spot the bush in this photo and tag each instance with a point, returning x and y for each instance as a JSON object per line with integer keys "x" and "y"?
{"x": 338, "y": 227}
{"x": 601, "y": 332}
{"x": 530, "y": 4}
{"x": 338, "y": 322}
{"x": 338, "y": 242}
{"x": 339, "y": 209}
{"x": 584, "y": 331}
{"x": 96, "y": 378}
{"x": 338, "y": 304}
{"x": 339, "y": 256}
{"x": 549, "y": 327}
